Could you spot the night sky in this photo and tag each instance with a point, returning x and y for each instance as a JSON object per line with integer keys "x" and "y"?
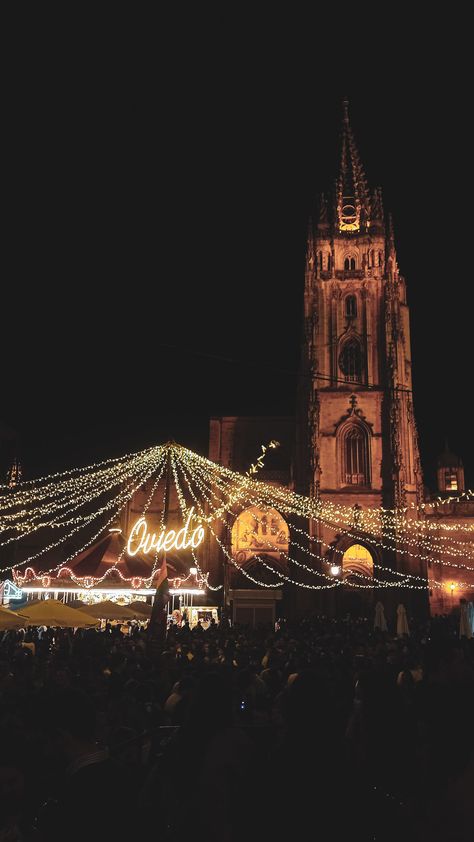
{"x": 155, "y": 244}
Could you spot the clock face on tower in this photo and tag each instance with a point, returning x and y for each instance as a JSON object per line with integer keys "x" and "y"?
{"x": 349, "y": 221}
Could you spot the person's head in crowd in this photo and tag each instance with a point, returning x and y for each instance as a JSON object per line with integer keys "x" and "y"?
{"x": 71, "y": 719}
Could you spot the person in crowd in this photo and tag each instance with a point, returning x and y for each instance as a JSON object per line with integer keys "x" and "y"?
{"x": 266, "y": 725}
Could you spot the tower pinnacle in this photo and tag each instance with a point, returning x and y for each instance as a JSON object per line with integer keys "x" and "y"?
{"x": 353, "y": 202}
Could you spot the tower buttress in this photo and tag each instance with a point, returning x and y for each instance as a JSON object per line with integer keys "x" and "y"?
{"x": 356, "y": 404}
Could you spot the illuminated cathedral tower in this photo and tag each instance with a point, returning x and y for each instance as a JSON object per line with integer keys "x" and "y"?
{"x": 357, "y": 432}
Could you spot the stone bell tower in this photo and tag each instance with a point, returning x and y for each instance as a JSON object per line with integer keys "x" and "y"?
{"x": 357, "y": 432}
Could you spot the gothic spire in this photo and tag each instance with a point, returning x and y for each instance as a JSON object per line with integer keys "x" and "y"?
{"x": 323, "y": 211}
{"x": 391, "y": 252}
{"x": 14, "y": 473}
{"x": 448, "y": 459}
{"x": 377, "y": 207}
{"x": 391, "y": 238}
{"x": 353, "y": 202}
{"x": 310, "y": 251}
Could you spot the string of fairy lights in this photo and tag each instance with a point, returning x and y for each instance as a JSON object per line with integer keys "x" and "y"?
{"x": 233, "y": 499}
{"x": 82, "y": 503}
{"x": 270, "y": 547}
{"x": 255, "y": 501}
{"x": 115, "y": 567}
{"x": 114, "y": 505}
{"x": 376, "y": 518}
{"x": 259, "y": 501}
{"x": 382, "y": 543}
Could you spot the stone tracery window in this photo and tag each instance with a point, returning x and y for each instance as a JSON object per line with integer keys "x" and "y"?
{"x": 451, "y": 480}
{"x": 350, "y": 361}
{"x": 355, "y": 455}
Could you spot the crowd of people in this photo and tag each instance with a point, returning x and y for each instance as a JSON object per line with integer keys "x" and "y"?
{"x": 323, "y": 726}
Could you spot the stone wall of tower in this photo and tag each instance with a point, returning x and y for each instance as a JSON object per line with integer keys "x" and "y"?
{"x": 355, "y": 314}
{"x": 360, "y": 265}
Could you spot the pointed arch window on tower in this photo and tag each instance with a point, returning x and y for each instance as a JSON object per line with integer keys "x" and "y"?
{"x": 351, "y": 306}
{"x": 355, "y": 456}
{"x": 350, "y": 361}
{"x": 320, "y": 260}
{"x": 349, "y": 264}
{"x": 451, "y": 480}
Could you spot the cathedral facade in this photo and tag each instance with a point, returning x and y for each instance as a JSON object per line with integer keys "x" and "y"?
{"x": 354, "y": 440}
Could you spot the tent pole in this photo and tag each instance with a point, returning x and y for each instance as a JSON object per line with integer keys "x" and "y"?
{"x": 158, "y": 619}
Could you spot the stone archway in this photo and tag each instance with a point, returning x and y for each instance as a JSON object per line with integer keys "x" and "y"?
{"x": 358, "y": 562}
{"x": 357, "y": 569}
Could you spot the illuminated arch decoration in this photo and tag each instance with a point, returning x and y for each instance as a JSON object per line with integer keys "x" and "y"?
{"x": 349, "y": 214}
{"x": 357, "y": 561}
{"x": 257, "y": 531}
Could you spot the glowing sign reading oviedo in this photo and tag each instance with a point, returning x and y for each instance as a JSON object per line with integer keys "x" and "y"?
{"x": 140, "y": 540}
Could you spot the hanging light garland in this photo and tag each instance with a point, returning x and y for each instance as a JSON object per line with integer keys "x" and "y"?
{"x": 372, "y": 520}
{"x": 73, "y": 500}
{"x": 407, "y": 578}
{"x": 260, "y": 500}
{"x": 255, "y": 467}
{"x": 278, "y": 573}
{"x": 116, "y": 504}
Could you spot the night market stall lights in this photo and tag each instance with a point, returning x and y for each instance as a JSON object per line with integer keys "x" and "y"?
{"x": 84, "y": 505}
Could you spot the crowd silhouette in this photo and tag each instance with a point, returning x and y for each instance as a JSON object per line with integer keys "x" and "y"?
{"x": 324, "y": 726}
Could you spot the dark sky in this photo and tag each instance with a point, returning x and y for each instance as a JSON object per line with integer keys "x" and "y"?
{"x": 155, "y": 236}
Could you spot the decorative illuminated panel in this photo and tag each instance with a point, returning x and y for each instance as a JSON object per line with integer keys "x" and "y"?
{"x": 259, "y": 530}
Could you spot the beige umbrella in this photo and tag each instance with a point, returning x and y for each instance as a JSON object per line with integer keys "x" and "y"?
{"x": 402, "y": 622}
{"x": 51, "y": 612}
{"x": 379, "y": 619}
{"x": 11, "y": 620}
{"x": 109, "y": 610}
{"x": 465, "y": 625}
{"x": 141, "y": 608}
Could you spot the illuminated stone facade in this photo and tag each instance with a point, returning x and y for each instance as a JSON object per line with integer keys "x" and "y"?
{"x": 357, "y": 433}
{"x": 356, "y": 439}
{"x": 442, "y": 513}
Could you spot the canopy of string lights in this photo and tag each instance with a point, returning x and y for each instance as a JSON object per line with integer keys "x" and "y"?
{"x": 40, "y": 518}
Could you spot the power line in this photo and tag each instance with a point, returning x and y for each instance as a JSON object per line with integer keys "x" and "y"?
{"x": 288, "y": 372}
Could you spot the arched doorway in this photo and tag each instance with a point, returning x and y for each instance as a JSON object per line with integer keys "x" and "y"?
{"x": 357, "y": 569}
